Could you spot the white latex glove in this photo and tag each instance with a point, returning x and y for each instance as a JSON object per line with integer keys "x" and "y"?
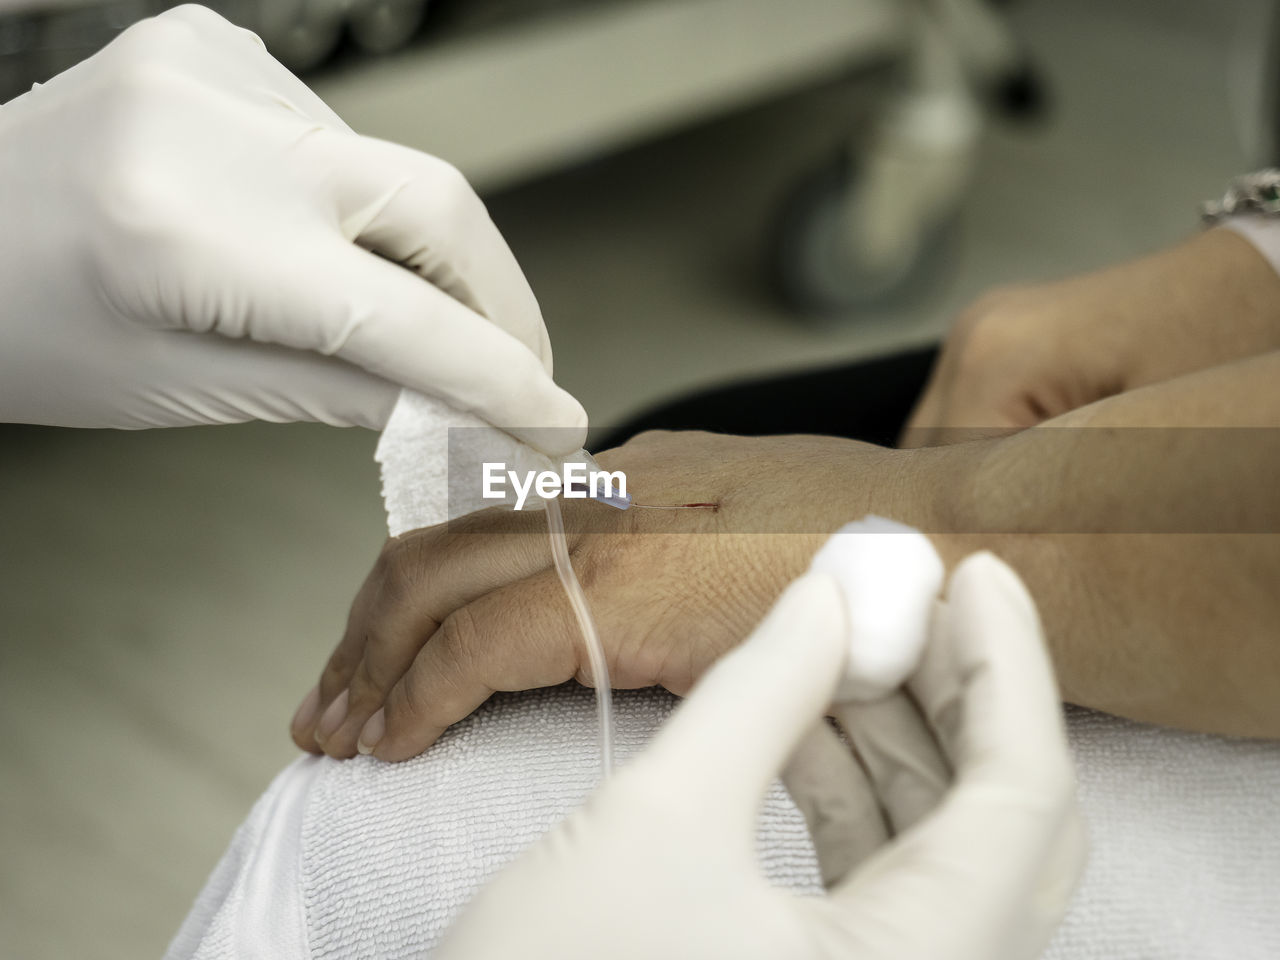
{"x": 660, "y": 862}
{"x": 192, "y": 236}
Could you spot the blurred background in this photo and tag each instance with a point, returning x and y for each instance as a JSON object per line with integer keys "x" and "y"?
{"x": 698, "y": 190}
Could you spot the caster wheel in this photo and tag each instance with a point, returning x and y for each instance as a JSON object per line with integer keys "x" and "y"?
{"x": 815, "y": 266}
{"x": 382, "y": 26}
{"x": 1022, "y": 94}
{"x": 305, "y": 35}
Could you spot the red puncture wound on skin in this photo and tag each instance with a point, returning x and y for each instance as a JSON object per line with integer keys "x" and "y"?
{"x": 678, "y": 506}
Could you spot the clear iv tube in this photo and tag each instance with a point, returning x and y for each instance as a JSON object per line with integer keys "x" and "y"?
{"x": 595, "y": 651}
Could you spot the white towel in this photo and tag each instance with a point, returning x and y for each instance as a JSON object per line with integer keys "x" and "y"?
{"x": 1184, "y": 845}
{"x": 1185, "y": 829}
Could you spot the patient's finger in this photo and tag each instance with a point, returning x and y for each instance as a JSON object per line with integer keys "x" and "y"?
{"x": 417, "y": 581}
{"x": 337, "y": 669}
{"x": 517, "y": 637}
{"x": 391, "y": 633}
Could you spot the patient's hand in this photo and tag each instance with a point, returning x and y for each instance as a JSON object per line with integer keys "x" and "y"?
{"x": 453, "y": 613}
{"x": 1026, "y": 354}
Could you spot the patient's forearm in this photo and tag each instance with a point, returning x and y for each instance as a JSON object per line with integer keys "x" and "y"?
{"x": 1177, "y": 618}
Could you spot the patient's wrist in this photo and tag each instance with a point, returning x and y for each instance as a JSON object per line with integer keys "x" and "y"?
{"x": 933, "y": 490}
{"x": 1210, "y": 300}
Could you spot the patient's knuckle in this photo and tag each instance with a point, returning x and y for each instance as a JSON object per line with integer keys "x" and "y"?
{"x": 409, "y": 560}
{"x": 398, "y": 572}
{"x": 336, "y": 674}
{"x": 405, "y": 707}
{"x": 650, "y": 437}
{"x": 429, "y": 694}
{"x": 365, "y": 687}
{"x": 992, "y": 305}
{"x": 391, "y": 657}
{"x": 990, "y": 300}
{"x": 459, "y": 637}
{"x": 986, "y": 341}
{"x": 389, "y": 558}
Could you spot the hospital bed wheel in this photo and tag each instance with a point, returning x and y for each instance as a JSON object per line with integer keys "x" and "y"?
{"x": 1021, "y": 94}
{"x": 304, "y": 35}
{"x": 814, "y": 264}
{"x": 382, "y": 26}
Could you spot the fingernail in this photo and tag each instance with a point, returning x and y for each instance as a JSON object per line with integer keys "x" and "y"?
{"x": 332, "y": 718}
{"x": 305, "y": 715}
{"x": 372, "y": 733}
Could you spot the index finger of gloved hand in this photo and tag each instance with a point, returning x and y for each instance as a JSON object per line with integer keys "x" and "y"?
{"x": 214, "y": 380}
{"x": 986, "y": 684}
{"x": 237, "y": 59}
{"x": 903, "y": 761}
{"x": 832, "y": 791}
{"x": 741, "y": 722}
{"x": 519, "y": 637}
{"x": 337, "y": 299}
{"x": 419, "y": 211}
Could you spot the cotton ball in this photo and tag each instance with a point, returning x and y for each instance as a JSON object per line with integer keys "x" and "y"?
{"x": 890, "y": 575}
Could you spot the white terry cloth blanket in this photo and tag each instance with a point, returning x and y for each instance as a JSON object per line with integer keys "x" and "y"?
{"x": 359, "y": 859}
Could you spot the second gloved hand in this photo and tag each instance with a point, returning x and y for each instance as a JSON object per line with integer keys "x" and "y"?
{"x": 192, "y": 236}
{"x": 661, "y": 861}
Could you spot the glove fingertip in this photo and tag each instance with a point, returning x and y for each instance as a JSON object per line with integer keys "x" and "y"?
{"x": 985, "y": 575}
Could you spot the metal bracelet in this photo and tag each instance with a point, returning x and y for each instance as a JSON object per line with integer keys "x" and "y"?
{"x": 1255, "y": 193}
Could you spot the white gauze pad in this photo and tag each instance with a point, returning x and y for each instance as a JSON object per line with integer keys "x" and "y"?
{"x": 431, "y": 456}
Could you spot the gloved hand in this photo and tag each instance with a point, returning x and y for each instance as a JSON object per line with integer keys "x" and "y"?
{"x": 660, "y": 862}
{"x": 192, "y": 236}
